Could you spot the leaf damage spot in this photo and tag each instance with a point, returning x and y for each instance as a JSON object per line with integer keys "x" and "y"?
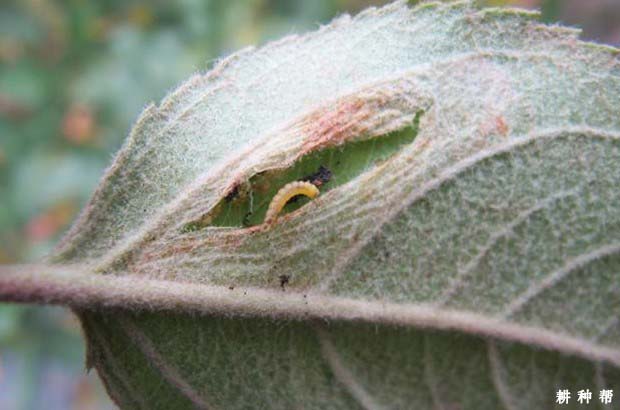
{"x": 245, "y": 203}
{"x": 333, "y": 126}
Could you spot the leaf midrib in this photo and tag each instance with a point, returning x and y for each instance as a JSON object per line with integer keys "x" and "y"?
{"x": 84, "y": 290}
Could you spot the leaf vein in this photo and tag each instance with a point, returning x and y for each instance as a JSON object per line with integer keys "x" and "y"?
{"x": 554, "y": 278}
{"x": 342, "y": 373}
{"x": 169, "y": 372}
{"x": 498, "y": 377}
{"x": 494, "y": 238}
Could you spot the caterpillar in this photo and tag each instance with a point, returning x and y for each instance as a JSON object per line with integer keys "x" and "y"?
{"x": 287, "y": 192}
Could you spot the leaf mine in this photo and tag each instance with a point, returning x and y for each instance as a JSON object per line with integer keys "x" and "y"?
{"x": 464, "y": 244}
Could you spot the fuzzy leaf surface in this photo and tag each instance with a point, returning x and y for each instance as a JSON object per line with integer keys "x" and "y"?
{"x": 465, "y": 253}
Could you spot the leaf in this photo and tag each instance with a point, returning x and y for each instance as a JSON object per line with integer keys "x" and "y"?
{"x": 465, "y": 253}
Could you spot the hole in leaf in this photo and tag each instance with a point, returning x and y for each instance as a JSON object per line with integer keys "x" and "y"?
{"x": 247, "y": 203}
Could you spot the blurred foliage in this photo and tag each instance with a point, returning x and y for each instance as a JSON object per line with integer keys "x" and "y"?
{"x": 74, "y": 74}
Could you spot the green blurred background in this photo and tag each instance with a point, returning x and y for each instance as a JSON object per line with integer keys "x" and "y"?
{"x": 74, "y": 74}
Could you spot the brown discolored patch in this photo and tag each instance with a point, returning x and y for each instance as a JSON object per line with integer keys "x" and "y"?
{"x": 181, "y": 247}
{"x": 494, "y": 125}
{"x": 422, "y": 143}
{"x": 336, "y": 124}
{"x": 189, "y": 245}
{"x": 501, "y": 126}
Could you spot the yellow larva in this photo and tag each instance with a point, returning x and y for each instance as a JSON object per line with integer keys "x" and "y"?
{"x": 285, "y": 194}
